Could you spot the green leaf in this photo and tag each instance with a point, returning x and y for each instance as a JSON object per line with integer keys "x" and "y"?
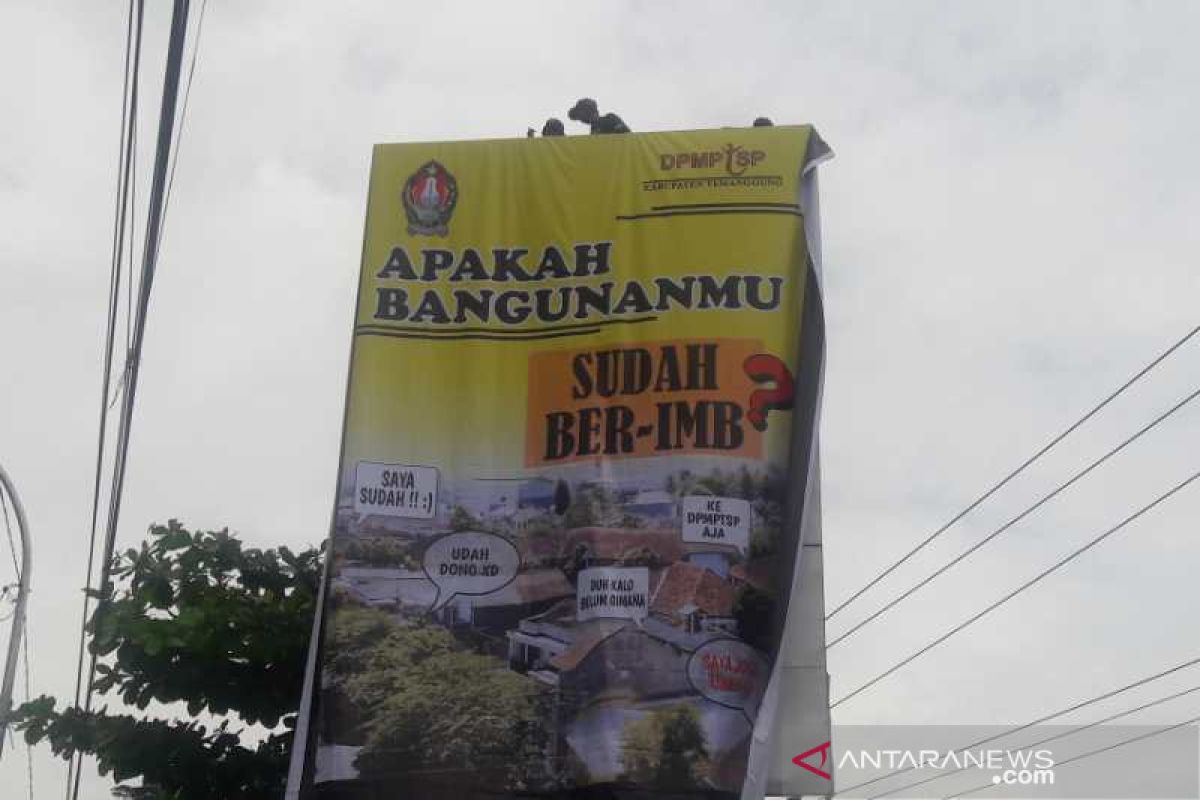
{"x": 192, "y": 617}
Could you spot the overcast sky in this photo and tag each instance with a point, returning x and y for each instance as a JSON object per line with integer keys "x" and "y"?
{"x": 1010, "y": 231}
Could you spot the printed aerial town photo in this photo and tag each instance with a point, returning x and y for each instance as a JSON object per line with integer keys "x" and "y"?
{"x": 554, "y": 631}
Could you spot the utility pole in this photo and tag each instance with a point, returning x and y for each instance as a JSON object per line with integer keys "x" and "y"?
{"x": 18, "y": 618}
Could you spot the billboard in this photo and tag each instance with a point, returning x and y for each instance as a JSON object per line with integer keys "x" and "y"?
{"x": 576, "y": 542}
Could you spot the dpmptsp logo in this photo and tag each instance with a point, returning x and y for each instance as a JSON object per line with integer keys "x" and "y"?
{"x": 733, "y": 158}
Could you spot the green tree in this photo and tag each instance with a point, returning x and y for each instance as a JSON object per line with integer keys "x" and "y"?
{"x": 666, "y": 748}
{"x": 581, "y": 513}
{"x": 593, "y": 504}
{"x": 681, "y": 484}
{"x": 747, "y": 488}
{"x": 562, "y": 497}
{"x": 379, "y": 552}
{"x": 423, "y": 701}
{"x": 463, "y": 520}
{"x": 194, "y": 618}
{"x": 754, "y": 611}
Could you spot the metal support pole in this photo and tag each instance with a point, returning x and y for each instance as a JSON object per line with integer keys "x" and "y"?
{"x": 18, "y": 619}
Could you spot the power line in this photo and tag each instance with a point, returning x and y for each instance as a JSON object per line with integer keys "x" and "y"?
{"x": 28, "y": 697}
{"x": 187, "y": 94}
{"x": 1097, "y": 751}
{"x": 133, "y": 161}
{"x": 1021, "y": 468}
{"x": 1006, "y": 526}
{"x": 1055, "y": 715}
{"x": 17, "y": 638}
{"x": 1027, "y": 584}
{"x": 12, "y": 543}
{"x": 166, "y": 125}
{"x": 12, "y": 548}
{"x": 166, "y": 202}
{"x": 129, "y": 104}
{"x": 1048, "y": 739}
{"x": 149, "y": 264}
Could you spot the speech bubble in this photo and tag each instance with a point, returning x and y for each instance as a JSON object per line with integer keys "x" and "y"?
{"x": 716, "y": 520}
{"x": 612, "y": 593}
{"x": 395, "y": 490}
{"x": 730, "y": 673}
{"x": 470, "y": 563}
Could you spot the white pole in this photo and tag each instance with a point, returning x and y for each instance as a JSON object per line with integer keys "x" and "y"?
{"x": 18, "y": 621}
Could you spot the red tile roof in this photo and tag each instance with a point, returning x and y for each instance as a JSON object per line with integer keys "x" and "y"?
{"x": 685, "y": 584}
{"x": 617, "y": 543}
{"x": 590, "y": 635}
{"x": 759, "y": 574}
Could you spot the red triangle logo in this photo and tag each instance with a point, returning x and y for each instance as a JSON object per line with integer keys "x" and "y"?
{"x": 823, "y": 749}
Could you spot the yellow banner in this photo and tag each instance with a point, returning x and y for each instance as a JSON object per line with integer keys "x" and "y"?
{"x": 559, "y": 540}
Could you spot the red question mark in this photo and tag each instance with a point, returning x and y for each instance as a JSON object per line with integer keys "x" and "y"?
{"x": 762, "y": 368}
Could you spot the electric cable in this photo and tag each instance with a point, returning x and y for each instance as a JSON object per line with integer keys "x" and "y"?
{"x": 1046, "y": 718}
{"x": 1095, "y": 752}
{"x": 12, "y": 542}
{"x": 1027, "y": 584}
{"x": 12, "y": 549}
{"x": 1006, "y": 526}
{"x": 166, "y": 124}
{"x": 187, "y": 94}
{"x": 1048, "y": 739}
{"x": 1021, "y": 468}
{"x": 133, "y": 47}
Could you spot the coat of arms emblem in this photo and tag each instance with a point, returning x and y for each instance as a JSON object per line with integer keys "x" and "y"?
{"x": 429, "y": 197}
